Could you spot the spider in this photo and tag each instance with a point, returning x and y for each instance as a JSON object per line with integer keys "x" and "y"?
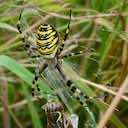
{"x": 48, "y": 45}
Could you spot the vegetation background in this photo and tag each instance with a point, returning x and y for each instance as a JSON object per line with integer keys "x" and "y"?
{"x": 99, "y": 27}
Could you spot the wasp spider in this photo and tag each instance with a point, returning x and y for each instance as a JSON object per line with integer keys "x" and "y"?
{"x": 49, "y": 46}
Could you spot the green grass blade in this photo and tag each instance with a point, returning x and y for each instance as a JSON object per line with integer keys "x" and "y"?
{"x": 25, "y": 75}
{"x": 33, "y": 111}
{"x": 20, "y": 71}
{"x": 88, "y": 91}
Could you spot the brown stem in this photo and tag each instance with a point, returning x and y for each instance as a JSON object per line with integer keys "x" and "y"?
{"x": 4, "y": 93}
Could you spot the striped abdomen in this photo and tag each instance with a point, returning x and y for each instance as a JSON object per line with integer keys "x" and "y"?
{"x": 47, "y": 40}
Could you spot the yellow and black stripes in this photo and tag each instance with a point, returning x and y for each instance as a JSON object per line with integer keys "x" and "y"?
{"x": 47, "y": 40}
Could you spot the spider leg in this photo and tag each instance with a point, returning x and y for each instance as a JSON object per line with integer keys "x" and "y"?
{"x": 23, "y": 37}
{"x": 38, "y": 71}
{"x": 27, "y": 39}
{"x": 66, "y": 35}
{"x": 19, "y": 27}
{"x": 77, "y": 93}
{"x": 69, "y": 53}
{"x": 68, "y": 27}
{"x": 72, "y": 54}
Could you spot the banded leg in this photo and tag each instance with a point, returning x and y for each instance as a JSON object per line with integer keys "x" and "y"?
{"x": 19, "y": 27}
{"x": 67, "y": 30}
{"x": 77, "y": 93}
{"x": 72, "y": 54}
{"x": 38, "y": 71}
{"x": 66, "y": 35}
{"x": 26, "y": 39}
{"x": 80, "y": 96}
{"x": 79, "y": 53}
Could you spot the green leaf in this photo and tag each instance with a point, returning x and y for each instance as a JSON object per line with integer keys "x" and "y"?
{"x": 34, "y": 115}
{"x": 19, "y": 70}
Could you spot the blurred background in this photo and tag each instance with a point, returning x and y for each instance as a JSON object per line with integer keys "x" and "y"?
{"x": 100, "y": 28}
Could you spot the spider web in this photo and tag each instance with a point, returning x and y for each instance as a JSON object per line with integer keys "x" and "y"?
{"x": 57, "y": 84}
